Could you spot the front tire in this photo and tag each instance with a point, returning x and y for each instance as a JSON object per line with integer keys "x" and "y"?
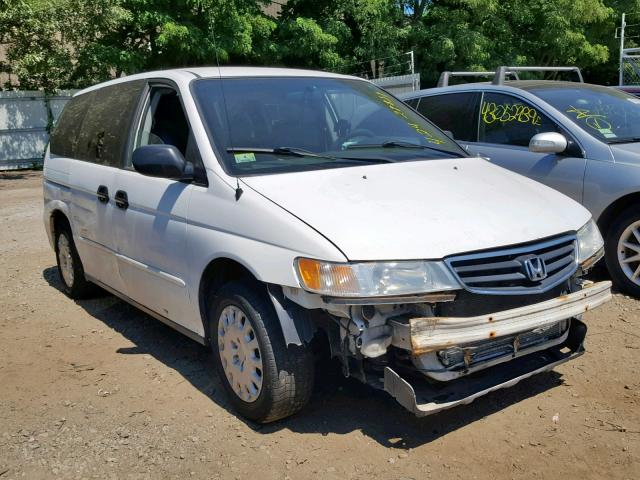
{"x": 623, "y": 251}
{"x": 70, "y": 269}
{"x": 265, "y": 379}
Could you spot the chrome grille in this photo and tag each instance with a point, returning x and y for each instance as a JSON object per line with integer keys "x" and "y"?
{"x": 474, "y": 354}
{"x": 503, "y": 272}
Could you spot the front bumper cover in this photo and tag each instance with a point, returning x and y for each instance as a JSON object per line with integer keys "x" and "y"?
{"x": 426, "y": 398}
{"x": 427, "y": 334}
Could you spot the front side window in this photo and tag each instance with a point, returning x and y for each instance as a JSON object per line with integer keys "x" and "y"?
{"x": 605, "y": 113}
{"x": 508, "y": 120}
{"x": 283, "y": 124}
{"x": 164, "y": 122}
{"x": 455, "y": 112}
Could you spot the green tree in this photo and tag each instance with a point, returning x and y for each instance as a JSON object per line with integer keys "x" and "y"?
{"x": 336, "y": 34}
{"x": 482, "y": 34}
{"x": 54, "y": 44}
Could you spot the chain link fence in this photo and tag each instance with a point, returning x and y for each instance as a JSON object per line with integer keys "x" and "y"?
{"x": 630, "y": 69}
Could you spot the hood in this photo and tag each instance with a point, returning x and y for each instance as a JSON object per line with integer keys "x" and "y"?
{"x": 422, "y": 210}
{"x": 627, "y": 153}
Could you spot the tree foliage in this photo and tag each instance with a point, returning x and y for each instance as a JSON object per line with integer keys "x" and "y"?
{"x": 54, "y": 44}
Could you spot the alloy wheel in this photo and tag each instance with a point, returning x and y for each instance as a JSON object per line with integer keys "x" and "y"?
{"x": 629, "y": 252}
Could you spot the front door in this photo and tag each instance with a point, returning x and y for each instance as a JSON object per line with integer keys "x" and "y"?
{"x": 151, "y": 231}
{"x": 506, "y": 125}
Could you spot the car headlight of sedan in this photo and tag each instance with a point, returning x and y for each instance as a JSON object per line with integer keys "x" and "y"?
{"x": 590, "y": 245}
{"x": 374, "y": 279}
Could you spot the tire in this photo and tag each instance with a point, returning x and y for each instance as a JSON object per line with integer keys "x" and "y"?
{"x": 272, "y": 383}
{"x": 625, "y": 275}
{"x": 70, "y": 269}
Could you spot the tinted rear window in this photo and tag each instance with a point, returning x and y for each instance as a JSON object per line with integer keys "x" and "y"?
{"x": 106, "y": 126}
{"x": 64, "y": 137}
{"x": 455, "y": 112}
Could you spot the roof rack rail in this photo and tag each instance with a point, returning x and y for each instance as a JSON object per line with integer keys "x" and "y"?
{"x": 443, "y": 81}
{"x": 503, "y": 71}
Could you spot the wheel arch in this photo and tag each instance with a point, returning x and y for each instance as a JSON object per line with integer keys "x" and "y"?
{"x": 222, "y": 270}
{"x": 610, "y": 213}
{"x": 57, "y": 220}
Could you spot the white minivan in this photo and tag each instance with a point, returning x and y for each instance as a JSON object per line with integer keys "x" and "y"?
{"x": 278, "y": 215}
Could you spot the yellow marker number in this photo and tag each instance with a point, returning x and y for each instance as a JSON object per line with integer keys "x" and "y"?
{"x": 389, "y": 103}
{"x": 509, "y": 112}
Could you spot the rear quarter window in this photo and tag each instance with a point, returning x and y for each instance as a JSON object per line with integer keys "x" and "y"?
{"x": 64, "y": 138}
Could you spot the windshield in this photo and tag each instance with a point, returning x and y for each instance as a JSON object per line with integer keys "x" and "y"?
{"x": 606, "y": 113}
{"x": 283, "y": 124}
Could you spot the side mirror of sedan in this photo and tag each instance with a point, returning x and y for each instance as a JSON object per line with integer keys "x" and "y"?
{"x": 548, "y": 142}
{"x": 164, "y": 161}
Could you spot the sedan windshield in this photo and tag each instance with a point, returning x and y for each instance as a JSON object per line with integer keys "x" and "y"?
{"x": 606, "y": 113}
{"x": 284, "y": 124}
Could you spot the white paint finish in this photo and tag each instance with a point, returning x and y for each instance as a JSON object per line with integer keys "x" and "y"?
{"x": 156, "y": 251}
{"x": 185, "y": 75}
{"x": 92, "y": 221}
{"x": 150, "y": 241}
{"x": 253, "y": 231}
{"x": 422, "y": 210}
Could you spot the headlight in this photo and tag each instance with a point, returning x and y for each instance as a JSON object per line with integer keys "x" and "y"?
{"x": 590, "y": 245}
{"x": 373, "y": 279}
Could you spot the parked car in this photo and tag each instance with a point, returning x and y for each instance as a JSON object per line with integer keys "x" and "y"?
{"x": 276, "y": 215}
{"x": 630, "y": 89}
{"x": 580, "y": 139}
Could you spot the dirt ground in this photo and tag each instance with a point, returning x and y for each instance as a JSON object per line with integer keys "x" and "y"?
{"x": 97, "y": 389}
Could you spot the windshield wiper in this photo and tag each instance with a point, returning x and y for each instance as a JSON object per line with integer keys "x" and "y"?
{"x": 624, "y": 140}
{"x": 396, "y": 144}
{"x": 301, "y": 152}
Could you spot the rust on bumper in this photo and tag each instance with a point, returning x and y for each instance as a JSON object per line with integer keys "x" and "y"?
{"x": 426, "y": 334}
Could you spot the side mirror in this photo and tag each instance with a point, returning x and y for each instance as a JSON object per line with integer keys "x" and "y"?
{"x": 164, "y": 161}
{"x": 548, "y": 142}
{"x": 449, "y": 134}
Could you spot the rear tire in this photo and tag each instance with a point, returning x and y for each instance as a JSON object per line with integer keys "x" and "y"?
{"x": 70, "y": 269}
{"x": 265, "y": 379}
{"x": 622, "y": 251}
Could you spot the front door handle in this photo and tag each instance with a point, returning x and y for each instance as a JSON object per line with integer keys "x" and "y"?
{"x": 103, "y": 194}
{"x": 121, "y": 199}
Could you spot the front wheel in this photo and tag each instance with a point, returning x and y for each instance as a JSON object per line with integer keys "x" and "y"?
{"x": 265, "y": 379}
{"x": 623, "y": 251}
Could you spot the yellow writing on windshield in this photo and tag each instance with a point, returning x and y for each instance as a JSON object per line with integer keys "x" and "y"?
{"x": 596, "y": 121}
{"x": 391, "y": 105}
{"x": 509, "y": 112}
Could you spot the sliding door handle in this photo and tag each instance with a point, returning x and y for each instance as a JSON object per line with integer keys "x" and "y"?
{"x": 121, "y": 199}
{"x": 103, "y": 194}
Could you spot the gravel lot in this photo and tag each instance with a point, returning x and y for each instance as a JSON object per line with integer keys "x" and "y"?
{"x": 97, "y": 389}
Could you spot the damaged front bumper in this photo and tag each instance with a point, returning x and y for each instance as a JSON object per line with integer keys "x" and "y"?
{"x": 423, "y": 336}
{"x": 426, "y": 334}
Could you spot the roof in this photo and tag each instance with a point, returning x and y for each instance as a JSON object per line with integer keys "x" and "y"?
{"x": 507, "y": 85}
{"x": 217, "y": 72}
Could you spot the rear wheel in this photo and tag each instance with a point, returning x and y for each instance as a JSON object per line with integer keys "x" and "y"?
{"x": 623, "y": 251}
{"x": 265, "y": 379}
{"x": 70, "y": 270}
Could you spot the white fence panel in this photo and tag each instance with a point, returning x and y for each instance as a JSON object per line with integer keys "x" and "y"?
{"x": 25, "y": 118}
